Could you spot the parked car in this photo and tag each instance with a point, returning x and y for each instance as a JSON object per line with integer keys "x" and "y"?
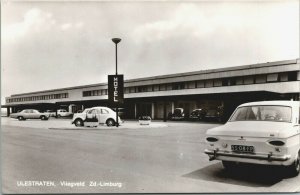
{"x": 64, "y": 113}
{"x": 260, "y": 133}
{"x": 30, "y": 114}
{"x": 178, "y": 114}
{"x": 144, "y": 120}
{"x": 198, "y": 114}
{"x": 51, "y": 113}
{"x": 214, "y": 114}
{"x": 104, "y": 115}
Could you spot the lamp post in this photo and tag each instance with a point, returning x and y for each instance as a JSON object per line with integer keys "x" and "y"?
{"x": 116, "y": 41}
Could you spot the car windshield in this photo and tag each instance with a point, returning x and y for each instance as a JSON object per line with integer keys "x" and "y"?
{"x": 263, "y": 113}
{"x": 85, "y": 110}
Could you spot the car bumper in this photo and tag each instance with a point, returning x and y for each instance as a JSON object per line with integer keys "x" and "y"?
{"x": 215, "y": 154}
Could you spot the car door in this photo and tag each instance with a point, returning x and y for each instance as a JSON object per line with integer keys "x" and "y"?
{"x": 29, "y": 114}
{"x": 93, "y": 113}
{"x": 35, "y": 114}
{"x": 104, "y": 115}
{"x": 25, "y": 114}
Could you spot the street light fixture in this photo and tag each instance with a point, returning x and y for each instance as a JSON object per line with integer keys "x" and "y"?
{"x": 116, "y": 41}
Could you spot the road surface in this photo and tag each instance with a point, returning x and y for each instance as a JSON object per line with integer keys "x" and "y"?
{"x": 165, "y": 158}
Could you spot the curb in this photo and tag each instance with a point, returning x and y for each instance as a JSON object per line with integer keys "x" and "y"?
{"x": 107, "y": 128}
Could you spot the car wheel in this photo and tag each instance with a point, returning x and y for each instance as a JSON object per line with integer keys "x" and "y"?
{"x": 294, "y": 169}
{"x": 228, "y": 164}
{"x": 110, "y": 122}
{"x": 21, "y": 118}
{"x": 43, "y": 118}
{"x": 78, "y": 123}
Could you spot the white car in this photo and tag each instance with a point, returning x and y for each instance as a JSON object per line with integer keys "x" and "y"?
{"x": 50, "y": 112}
{"x": 30, "y": 114}
{"x": 265, "y": 132}
{"x": 63, "y": 113}
{"x": 103, "y": 115}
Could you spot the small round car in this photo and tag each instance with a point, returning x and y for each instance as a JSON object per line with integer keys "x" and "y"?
{"x": 104, "y": 115}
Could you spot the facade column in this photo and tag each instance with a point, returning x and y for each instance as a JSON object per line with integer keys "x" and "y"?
{"x": 70, "y": 107}
{"x": 173, "y": 106}
{"x": 165, "y": 111}
{"x": 152, "y": 110}
{"x": 56, "y": 108}
{"x": 135, "y": 110}
{"x": 8, "y": 111}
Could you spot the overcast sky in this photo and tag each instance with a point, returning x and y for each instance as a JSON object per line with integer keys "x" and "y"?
{"x": 48, "y": 45}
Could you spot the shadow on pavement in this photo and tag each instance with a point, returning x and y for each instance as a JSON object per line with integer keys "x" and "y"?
{"x": 244, "y": 174}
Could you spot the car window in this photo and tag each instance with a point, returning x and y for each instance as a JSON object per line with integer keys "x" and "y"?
{"x": 35, "y": 111}
{"x": 263, "y": 113}
{"x": 93, "y": 111}
{"x": 103, "y": 111}
{"x": 98, "y": 111}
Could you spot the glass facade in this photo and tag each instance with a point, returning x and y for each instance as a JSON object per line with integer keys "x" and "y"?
{"x": 207, "y": 83}
{"x": 37, "y": 98}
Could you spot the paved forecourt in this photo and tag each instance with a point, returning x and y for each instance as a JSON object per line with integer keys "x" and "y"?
{"x": 55, "y": 157}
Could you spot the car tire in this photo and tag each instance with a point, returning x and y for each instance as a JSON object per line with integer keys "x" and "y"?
{"x": 44, "y": 118}
{"x": 58, "y": 116}
{"x": 228, "y": 164}
{"x": 110, "y": 122}
{"x": 78, "y": 123}
{"x": 21, "y": 118}
{"x": 294, "y": 169}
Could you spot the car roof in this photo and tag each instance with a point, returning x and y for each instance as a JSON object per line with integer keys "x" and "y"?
{"x": 30, "y": 109}
{"x": 99, "y": 107}
{"x": 275, "y": 102}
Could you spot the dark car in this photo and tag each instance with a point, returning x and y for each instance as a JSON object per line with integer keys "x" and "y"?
{"x": 198, "y": 114}
{"x": 178, "y": 114}
{"x": 214, "y": 114}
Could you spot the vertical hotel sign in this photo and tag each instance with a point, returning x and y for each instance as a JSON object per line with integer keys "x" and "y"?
{"x": 116, "y": 89}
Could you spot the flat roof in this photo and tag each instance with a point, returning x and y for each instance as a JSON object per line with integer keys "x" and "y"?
{"x": 217, "y": 70}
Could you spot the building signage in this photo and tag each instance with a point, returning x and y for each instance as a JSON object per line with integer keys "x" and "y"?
{"x": 116, "y": 89}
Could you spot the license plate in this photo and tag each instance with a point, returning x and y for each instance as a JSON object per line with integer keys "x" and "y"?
{"x": 242, "y": 149}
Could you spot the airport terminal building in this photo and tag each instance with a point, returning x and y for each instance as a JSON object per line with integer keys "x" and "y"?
{"x": 159, "y": 95}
